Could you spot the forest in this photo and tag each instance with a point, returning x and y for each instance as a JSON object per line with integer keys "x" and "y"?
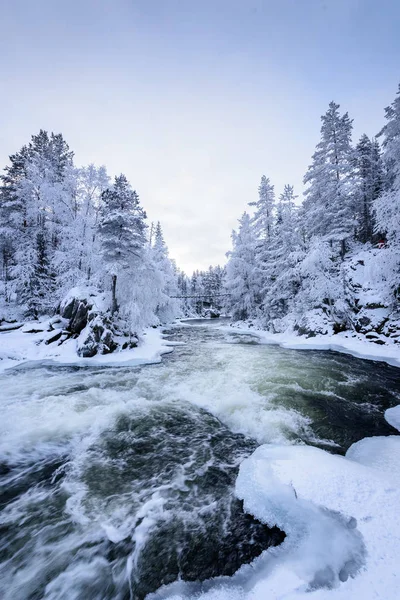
{"x": 331, "y": 262}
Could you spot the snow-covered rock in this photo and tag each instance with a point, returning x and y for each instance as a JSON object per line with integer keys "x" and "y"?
{"x": 97, "y": 337}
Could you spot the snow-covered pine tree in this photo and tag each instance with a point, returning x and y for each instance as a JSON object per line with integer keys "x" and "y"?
{"x": 183, "y": 283}
{"x": 121, "y": 231}
{"x": 36, "y": 204}
{"x": 285, "y": 252}
{"x": 329, "y": 198}
{"x": 37, "y": 297}
{"x": 321, "y": 292}
{"x": 263, "y": 218}
{"x": 263, "y": 223}
{"x": 241, "y": 279}
{"x": 370, "y": 175}
{"x": 168, "y": 306}
{"x": 387, "y": 206}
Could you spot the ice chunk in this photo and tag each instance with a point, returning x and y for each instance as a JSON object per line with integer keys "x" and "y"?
{"x": 380, "y": 452}
{"x": 323, "y": 547}
{"x": 392, "y": 416}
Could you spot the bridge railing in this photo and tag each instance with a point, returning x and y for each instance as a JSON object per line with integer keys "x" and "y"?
{"x": 202, "y": 296}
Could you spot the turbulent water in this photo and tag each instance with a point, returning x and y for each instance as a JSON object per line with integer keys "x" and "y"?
{"x": 115, "y": 482}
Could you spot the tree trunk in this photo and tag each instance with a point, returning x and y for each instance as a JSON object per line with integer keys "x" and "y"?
{"x": 342, "y": 248}
{"x": 114, "y": 306}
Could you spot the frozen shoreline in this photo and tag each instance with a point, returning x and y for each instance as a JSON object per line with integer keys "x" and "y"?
{"x": 19, "y": 348}
{"x": 345, "y": 343}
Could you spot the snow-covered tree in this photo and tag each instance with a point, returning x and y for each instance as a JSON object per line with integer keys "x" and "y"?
{"x": 91, "y": 183}
{"x": 329, "y": 202}
{"x": 321, "y": 283}
{"x": 281, "y": 276}
{"x": 370, "y": 174}
{"x": 242, "y": 279}
{"x": 121, "y": 231}
{"x": 387, "y": 206}
{"x": 37, "y": 199}
{"x": 168, "y": 306}
{"x": 263, "y": 218}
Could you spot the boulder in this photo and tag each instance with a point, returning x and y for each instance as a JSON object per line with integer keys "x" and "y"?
{"x": 88, "y": 347}
{"x": 97, "y": 337}
{"x": 54, "y": 338}
{"x": 67, "y": 310}
{"x": 314, "y": 322}
{"x": 76, "y": 311}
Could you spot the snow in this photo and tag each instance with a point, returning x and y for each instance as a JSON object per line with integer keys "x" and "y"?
{"x": 99, "y": 301}
{"x": 380, "y": 452}
{"x": 392, "y": 416}
{"x": 346, "y": 342}
{"x": 325, "y": 482}
{"x": 21, "y": 348}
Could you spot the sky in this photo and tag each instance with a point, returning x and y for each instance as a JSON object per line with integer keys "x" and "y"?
{"x": 195, "y": 100}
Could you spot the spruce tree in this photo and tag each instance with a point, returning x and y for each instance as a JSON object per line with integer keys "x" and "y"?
{"x": 167, "y": 307}
{"x": 263, "y": 218}
{"x": 280, "y": 274}
{"x": 36, "y": 207}
{"x": 369, "y": 167}
{"x": 121, "y": 231}
{"x": 387, "y": 206}
{"x": 241, "y": 280}
{"x": 329, "y": 202}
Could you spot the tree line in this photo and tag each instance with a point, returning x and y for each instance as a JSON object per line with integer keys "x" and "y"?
{"x": 289, "y": 257}
{"x": 62, "y": 226}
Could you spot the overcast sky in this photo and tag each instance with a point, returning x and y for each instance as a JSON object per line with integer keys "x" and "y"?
{"x": 194, "y": 99}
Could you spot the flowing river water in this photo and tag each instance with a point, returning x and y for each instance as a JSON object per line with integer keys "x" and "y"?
{"x": 118, "y": 481}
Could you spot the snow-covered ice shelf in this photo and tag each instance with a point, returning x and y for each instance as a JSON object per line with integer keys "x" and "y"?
{"x": 19, "y": 347}
{"x": 345, "y": 342}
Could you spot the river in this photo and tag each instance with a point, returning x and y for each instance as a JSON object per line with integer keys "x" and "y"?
{"x": 117, "y": 481}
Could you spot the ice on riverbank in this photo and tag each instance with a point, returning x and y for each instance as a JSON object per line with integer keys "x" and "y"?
{"x": 392, "y": 416}
{"x": 28, "y": 345}
{"x": 345, "y": 342}
{"x": 364, "y": 492}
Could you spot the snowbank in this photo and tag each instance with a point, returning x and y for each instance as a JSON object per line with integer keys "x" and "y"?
{"x": 23, "y": 347}
{"x": 345, "y": 342}
{"x": 392, "y": 416}
{"x": 340, "y": 509}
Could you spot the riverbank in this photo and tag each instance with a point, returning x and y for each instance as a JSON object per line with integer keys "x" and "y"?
{"x": 346, "y": 342}
{"x": 31, "y": 344}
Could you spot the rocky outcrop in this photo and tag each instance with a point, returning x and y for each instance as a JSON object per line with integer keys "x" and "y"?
{"x": 98, "y": 331}
{"x": 313, "y": 323}
{"x": 211, "y": 313}
{"x": 97, "y": 337}
{"x": 76, "y": 310}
